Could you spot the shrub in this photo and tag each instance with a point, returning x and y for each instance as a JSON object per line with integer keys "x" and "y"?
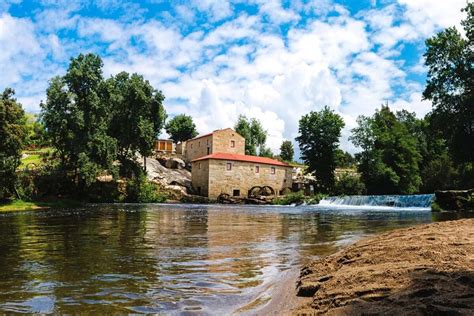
{"x": 139, "y": 190}
{"x": 291, "y": 198}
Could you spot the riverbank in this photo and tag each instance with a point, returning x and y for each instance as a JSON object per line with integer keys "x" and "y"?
{"x": 20, "y": 205}
{"x": 425, "y": 269}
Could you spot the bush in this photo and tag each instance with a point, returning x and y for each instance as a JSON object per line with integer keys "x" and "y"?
{"x": 349, "y": 184}
{"x": 139, "y": 190}
{"x": 298, "y": 198}
{"x": 288, "y": 199}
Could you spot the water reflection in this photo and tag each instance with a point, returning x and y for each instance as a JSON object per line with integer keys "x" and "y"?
{"x": 156, "y": 258}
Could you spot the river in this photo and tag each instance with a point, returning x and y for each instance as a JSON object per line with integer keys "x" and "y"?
{"x": 173, "y": 259}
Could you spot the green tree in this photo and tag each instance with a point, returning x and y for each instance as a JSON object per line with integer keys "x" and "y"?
{"x": 137, "y": 115}
{"x": 318, "y": 139}
{"x": 12, "y": 133}
{"x": 36, "y": 135}
{"x": 287, "y": 151}
{"x": 265, "y": 152}
{"x": 181, "y": 128}
{"x": 253, "y": 132}
{"x": 450, "y": 86}
{"x": 390, "y": 157}
{"x": 344, "y": 159}
{"x": 77, "y": 116}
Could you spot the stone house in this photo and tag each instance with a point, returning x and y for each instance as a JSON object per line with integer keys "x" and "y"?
{"x": 237, "y": 174}
{"x": 223, "y": 140}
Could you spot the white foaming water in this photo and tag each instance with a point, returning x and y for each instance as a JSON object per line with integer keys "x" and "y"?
{"x": 388, "y": 202}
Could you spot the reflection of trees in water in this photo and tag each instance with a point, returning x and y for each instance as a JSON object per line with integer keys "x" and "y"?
{"x": 146, "y": 255}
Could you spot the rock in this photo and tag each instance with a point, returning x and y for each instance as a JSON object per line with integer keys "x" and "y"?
{"x": 175, "y": 163}
{"x": 455, "y": 200}
{"x": 169, "y": 178}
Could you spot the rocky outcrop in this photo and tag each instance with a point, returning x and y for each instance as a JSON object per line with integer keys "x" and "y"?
{"x": 177, "y": 181}
{"x": 455, "y": 200}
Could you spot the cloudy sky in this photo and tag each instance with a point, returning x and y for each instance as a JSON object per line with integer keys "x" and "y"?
{"x": 215, "y": 59}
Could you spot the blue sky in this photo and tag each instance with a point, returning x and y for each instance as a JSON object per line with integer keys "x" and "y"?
{"x": 270, "y": 59}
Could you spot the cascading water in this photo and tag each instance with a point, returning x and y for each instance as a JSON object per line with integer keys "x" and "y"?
{"x": 401, "y": 201}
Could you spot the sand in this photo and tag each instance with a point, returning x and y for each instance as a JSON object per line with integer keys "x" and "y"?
{"x": 421, "y": 270}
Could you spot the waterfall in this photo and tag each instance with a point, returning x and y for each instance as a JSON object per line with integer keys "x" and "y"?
{"x": 404, "y": 201}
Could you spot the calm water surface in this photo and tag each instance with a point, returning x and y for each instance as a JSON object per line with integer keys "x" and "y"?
{"x": 168, "y": 259}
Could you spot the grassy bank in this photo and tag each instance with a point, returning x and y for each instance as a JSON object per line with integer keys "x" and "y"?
{"x": 19, "y": 205}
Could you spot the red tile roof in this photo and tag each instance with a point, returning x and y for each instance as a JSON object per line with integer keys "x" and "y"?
{"x": 245, "y": 158}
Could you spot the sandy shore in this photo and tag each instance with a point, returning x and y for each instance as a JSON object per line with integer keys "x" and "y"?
{"x": 426, "y": 269}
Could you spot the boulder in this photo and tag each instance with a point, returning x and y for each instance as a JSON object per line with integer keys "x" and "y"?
{"x": 163, "y": 176}
{"x": 175, "y": 163}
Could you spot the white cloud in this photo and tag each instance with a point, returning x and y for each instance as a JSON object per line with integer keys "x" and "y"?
{"x": 244, "y": 65}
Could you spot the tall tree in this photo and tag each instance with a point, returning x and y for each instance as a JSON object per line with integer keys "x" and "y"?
{"x": 137, "y": 113}
{"x": 181, "y": 128}
{"x": 390, "y": 157}
{"x": 287, "y": 151}
{"x": 318, "y": 139}
{"x": 450, "y": 86}
{"x": 12, "y": 133}
{"x": 253, "y": 132}
{"x": 77, "y": 115}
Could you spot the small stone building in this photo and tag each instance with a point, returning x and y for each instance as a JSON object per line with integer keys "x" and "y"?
{"x": 236, "y": 174}
{"x": 223, "y": 140}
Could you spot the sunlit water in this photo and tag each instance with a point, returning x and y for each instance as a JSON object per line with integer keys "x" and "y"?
{"x": 168, "y": 259}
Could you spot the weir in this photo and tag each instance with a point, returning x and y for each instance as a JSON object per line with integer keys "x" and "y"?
{"x": 419, "y": 200}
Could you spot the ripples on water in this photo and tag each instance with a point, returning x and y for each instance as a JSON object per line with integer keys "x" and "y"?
{"x": 165, "y": 258}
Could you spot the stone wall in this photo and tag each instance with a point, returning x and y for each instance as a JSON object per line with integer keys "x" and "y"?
{"x": 223, "y": 139}
{"x": 242, "y": 177}
{"x": 200, "y": 177}
{"x": 219, "y": 141}
{"x": 198, "y": 147}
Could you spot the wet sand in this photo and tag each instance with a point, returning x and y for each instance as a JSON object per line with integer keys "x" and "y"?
{"x": 425, "y": 269}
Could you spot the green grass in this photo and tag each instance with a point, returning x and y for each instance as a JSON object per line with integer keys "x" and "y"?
{"x": 20, "y": 205}
{"x": 34, "y": 157}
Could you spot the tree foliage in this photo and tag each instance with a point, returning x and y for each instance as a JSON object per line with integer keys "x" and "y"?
{"x": 287, "y": 151}
{"x": 389, "y": 161}
{"x": 92, "y": 122}
{"x": 36, "y": 135}
{"x": 265, "y": 152}
{"x": 181, "y": 128}
{"x": 318, "y": 139}
{"x": 253, "y": 132}
{"x": 344, "y": 159}
{"x": 12, "y": 133}
{"x": 137, "y": 114}
{"x": 77, "y": 115}
{"x": 450, "y": 86}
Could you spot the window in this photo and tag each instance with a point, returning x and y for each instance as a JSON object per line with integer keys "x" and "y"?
{"x": 199, "y": 165}
{"x": 199, "y": 144}
{"x": 236, "y": 193}
{"x": 191, "y": 146}
{"x": 208, "y": 150}
{"x": 257, "y": 169}
{"x": 272, "y": 170}
{"x": 228, "y": 166}
{"x": 232, "y": 144}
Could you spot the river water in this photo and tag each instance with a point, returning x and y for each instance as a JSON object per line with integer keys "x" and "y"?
{"x": 173, "y": 259}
